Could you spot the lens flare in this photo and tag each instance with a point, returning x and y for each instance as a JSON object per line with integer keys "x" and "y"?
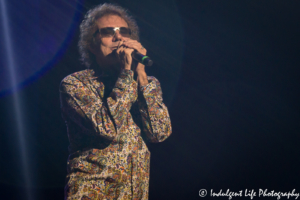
{"x": 10, "y": 63}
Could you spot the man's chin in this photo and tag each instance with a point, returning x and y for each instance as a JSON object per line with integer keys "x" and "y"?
{"x": 112, "y": 58}
{"x": 107, "y": 60}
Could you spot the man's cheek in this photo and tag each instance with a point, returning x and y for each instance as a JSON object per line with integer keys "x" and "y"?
{"x": 104, "y": 50}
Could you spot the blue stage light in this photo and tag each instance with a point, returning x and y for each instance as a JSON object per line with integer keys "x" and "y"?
{"x": 11, "y": 64}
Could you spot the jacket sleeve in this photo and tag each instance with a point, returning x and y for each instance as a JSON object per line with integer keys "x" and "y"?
{"x": 155, "y": 116}
{"x": 83, "y": 107}
{"x": 121, "y": 97}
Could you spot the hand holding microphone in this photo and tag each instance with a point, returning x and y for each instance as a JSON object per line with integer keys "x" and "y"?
{"x": 132, "y": 49}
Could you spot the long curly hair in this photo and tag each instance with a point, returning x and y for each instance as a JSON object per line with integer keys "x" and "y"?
{"x": 88, "y": 27}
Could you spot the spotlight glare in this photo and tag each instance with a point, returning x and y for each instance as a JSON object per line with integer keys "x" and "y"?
{"x": 16, "y": 97}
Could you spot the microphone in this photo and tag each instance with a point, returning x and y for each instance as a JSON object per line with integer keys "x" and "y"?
{"x": 145, "y": 60}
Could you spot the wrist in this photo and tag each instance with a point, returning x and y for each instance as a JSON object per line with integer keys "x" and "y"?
{"x": 142, "y": 78}
{"x": 127, "y": 67}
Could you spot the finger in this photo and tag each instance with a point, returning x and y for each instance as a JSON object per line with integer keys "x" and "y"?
{"x": 129, "y": 40}
{"x": 124, "y": 47}
{"x": 118, "y": 50}
{"x": 132, "y": 42}
{"x": 137, "y": 47}
{"x": 120, "y": 43}
{"x": 135, "y": 43}
{"x": 121, "y": 49}
{"x": 128, "y": 51}
{"x": 120, "y": 53}
{"x": 125, "y": 57}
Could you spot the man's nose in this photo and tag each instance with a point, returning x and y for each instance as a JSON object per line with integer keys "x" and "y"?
{"x": 117, "y": 36}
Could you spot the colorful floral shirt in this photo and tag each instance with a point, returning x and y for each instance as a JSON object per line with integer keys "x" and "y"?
{"x": 109, "y": 158}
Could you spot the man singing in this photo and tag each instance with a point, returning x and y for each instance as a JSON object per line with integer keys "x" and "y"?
{"x": 111, "y": 109}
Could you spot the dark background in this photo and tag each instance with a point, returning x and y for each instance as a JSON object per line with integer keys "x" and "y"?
{"x": 230, "y": 75}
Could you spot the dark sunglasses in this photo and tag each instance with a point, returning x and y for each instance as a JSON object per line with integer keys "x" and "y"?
{"x": 111, "y": 31}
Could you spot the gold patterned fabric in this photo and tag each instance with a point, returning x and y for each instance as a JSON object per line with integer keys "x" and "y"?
{"x": 108, "y": 123}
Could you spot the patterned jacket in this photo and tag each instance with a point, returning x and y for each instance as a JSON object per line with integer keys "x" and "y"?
{"x": 109, "y": 158}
